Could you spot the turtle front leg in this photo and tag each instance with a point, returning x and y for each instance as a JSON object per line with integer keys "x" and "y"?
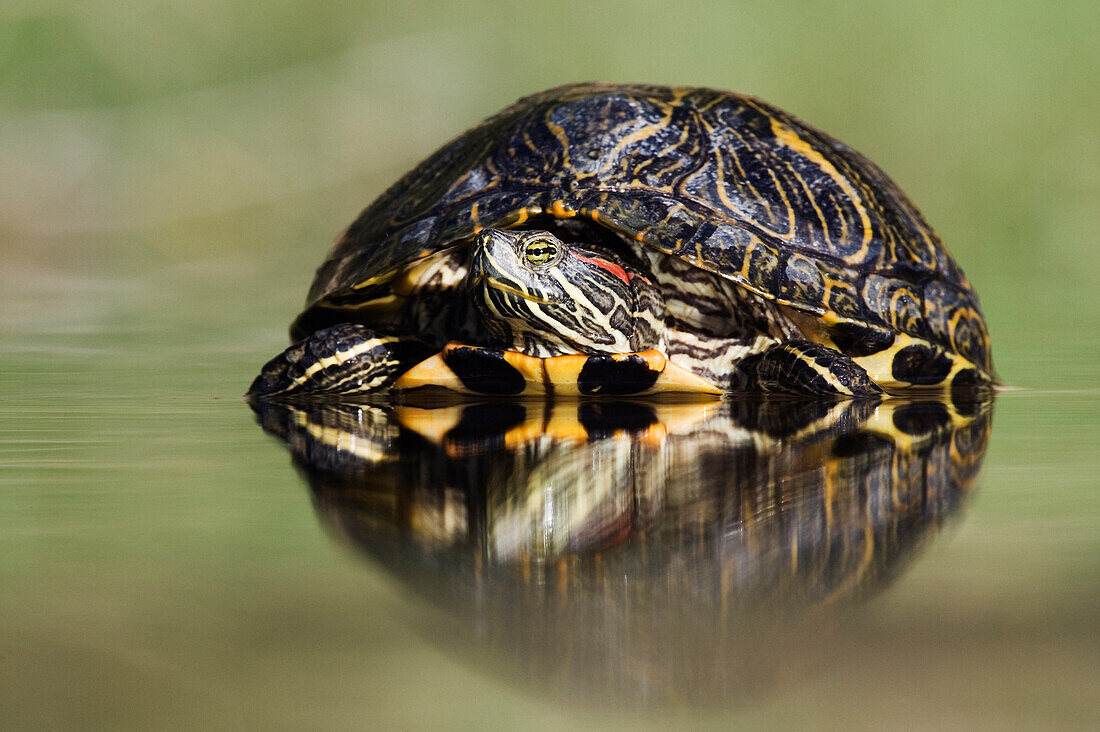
{"x": 803, "y": 367}
{"x": 344, "y": 359}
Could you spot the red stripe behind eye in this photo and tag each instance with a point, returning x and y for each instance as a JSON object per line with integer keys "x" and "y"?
{"x": 605, "y": 265}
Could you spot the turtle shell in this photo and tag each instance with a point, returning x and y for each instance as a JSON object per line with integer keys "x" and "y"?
{"x": 721, "y": 180}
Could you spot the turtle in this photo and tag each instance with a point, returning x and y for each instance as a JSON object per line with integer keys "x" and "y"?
{"x": 618, "y": 239}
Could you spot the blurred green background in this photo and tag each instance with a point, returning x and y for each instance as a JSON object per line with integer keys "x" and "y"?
{"x": 172, "y": 172}
{"x": 157, "y": 133}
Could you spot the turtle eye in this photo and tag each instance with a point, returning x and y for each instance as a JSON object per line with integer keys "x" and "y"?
{"x": 540, "y": 251}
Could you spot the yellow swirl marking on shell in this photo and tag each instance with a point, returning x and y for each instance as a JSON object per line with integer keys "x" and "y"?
{"x": 636, "y": 136}
{"x": 786, "y": 206}
{"x": 531, "y": 144}
{"x": 561, "y": 211}
{"x": 789, "y": 138}
{"x": 383, "y": 278}
{"x": 737, "y": 163}
{"x": 827, "y": 293}
{"x": 376, "y": 280}
{"x": 720, "y": 189}
{"x": 563, "y": 139}
{"x": 894, "y": 313}
{"x": 473, "y": 217}
{"x": 746, "y": 262}
{"x": 813, "y": 202}
{"x": 522, "y": 215}
{"x": 672, "y": 146}
{"x": 953, "y": 324}
{"x": 741, "y": 277}
{"x": 434, "y": 371}
{"x": 612, "y": 154}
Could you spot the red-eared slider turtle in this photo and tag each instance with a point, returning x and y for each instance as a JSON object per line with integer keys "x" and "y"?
{"x": 619, "y": 239}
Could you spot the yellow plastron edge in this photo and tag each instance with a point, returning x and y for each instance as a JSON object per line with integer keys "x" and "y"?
{"x": 557, "y": 374}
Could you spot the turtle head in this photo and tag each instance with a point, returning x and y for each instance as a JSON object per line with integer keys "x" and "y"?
{"x": 544, "y": 296}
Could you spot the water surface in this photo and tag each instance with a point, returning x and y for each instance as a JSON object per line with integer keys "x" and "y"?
{"x": 165, "y": 562}
{"x": 170, "y": 179}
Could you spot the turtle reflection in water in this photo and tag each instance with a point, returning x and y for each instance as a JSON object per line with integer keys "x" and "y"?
{"x": 639, "y": 551}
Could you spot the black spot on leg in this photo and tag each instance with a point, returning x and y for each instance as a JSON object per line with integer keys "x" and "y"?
{"x": 607, "y": 375}
{"x": 484, "y": 370}
{"x": 860, "y": 340}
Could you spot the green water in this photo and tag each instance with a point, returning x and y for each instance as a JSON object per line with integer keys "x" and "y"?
{"x": 172, "y": 174}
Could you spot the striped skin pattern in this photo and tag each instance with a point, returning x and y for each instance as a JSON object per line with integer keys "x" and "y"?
{"x": 338, "y": 360}
{"x": 578, "y": 301}
{"x": 815, "y": 368}
{"x": 711, "y": 324}
{"x": 724, "y": 182}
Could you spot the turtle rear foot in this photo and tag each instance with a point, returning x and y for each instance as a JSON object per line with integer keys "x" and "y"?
{"x": 343, "y": 359}
{"x": 803, "y": 367}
